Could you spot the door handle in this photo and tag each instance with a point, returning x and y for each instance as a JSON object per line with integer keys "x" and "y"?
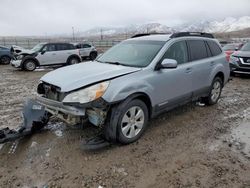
{"x": 188, "y": 70}
{"x": 54, "y": 54}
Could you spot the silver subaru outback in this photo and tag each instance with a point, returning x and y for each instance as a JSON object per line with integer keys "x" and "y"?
{"x": 135, "y": 81}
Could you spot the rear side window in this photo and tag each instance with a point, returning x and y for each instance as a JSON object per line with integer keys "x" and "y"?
{"x": 197, "y": 49}
{"x": 178, "y": 52}
{"x": 65, "y": 47}
{"x": 214, "y": 48}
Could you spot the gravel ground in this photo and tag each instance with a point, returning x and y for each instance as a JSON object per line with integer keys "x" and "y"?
{"x": 191, "y": 146}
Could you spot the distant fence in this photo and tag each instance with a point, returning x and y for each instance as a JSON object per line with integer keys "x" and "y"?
{"x": 31, "y": 42}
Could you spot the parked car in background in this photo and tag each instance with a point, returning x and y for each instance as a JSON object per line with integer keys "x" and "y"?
{"x": 47, "y": 54}
{"x": 136, "y": 80}
{"x": 5, "y": 55}
{"x": 223, "y": 43}
{"x": 87, "y": 50}
{"x": 240, "y": 60}
{"x": 231, "y": 48}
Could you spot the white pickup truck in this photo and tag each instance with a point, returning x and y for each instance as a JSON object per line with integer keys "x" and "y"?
{"x": 47, "y": 54}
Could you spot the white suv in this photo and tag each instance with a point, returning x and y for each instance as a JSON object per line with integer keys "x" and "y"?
{"x": 87, "y": 50}
{"x": 47, "y": 54}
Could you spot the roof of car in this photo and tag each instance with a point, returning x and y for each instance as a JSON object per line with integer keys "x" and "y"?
{"x": 165, "y": 36}
{"x": 160, "y": 37}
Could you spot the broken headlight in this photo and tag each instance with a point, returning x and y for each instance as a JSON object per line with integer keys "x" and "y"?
{"x": 88, "y": 94}
{"x": 20, "y": 57}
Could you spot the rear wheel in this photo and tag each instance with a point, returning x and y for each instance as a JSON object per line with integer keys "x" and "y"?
{"x": 93, "y": 55}
{"x": 215, "y": 92}
{"x": 29, "y": 65}
{"x": 73, "y": 60}
{"x": 5, "y": 60}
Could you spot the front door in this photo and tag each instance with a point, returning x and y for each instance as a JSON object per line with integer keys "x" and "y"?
{"x": 48, "y": 56}
{"x": 173, "y": 86}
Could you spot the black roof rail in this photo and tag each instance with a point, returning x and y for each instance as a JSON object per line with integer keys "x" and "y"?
{"x": 189, "y": 34}
{"x": 140, "y": 35}
{"x": 147, "y": 34}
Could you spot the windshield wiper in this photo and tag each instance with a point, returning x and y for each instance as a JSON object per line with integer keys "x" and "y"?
{"x": 110, "y": 62}
{"x": 115, "y": 63}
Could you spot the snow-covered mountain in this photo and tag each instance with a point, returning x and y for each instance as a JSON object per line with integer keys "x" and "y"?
{"x": 216, "y": 26}
{"x": 227, "y": 25}
{"x": 132, "y": 29}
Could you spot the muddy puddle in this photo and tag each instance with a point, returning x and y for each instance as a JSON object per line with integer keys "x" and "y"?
{"x": 239, "y": 137}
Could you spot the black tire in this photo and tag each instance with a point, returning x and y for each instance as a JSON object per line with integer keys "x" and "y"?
{"x": 29, "y": 65}
{"x": 5, "y": 60}
{"x": 214, "y": 94}
{"x": 73, "y": 61}
{"x": 116, "y": 120}
{"x": 92, "y": 55}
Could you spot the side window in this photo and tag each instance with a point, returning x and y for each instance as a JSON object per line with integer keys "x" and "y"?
{"x": 50, "y": 47}
{"x": 177, "y": 51}
{"x": 70, "y": 47}
{"x": 78, "y": 46}
{"x": 86, "y": 46}
{"x": 61, "y": 47}
{"x": 197, "y": 49}
{"x": 214, "y": 48}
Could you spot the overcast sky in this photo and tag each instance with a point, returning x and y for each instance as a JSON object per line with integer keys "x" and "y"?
{"x": 45, "y": 17}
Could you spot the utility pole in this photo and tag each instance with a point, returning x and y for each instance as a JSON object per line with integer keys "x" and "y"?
{"x": 101, "y": 35}
{"x": 73, "y": 33}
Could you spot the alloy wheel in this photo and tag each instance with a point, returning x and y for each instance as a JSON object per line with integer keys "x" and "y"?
{"x": 132, "y": 122}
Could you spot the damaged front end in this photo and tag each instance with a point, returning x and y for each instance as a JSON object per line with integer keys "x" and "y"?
{"x": 71, "y": 107}
{"x": 37, "y": 113}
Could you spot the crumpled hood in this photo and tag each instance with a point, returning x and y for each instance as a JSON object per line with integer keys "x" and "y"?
{"x": 76, "y": 76}
{"x": 26, "y": 51}
{"x": 242, "y": 53}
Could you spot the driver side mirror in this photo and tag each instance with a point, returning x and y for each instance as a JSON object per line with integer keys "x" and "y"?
{"x": 43, "y": 52}
{"x": 169, "y": 64}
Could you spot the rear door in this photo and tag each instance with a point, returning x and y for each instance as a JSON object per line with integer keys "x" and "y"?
{"x": 85, "y": 51}
{"x": 201, "y": 66}
{"x": 64, "y": 50}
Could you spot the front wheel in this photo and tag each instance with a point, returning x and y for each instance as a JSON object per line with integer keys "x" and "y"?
{"x": 5, "y": 60}
{"x": 29, "y": 65}
{"x": 215, "y": 92}
{"x": 130, "y": 121}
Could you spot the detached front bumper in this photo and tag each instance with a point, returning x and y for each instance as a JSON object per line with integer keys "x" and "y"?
{"x": 16, "y": 63}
